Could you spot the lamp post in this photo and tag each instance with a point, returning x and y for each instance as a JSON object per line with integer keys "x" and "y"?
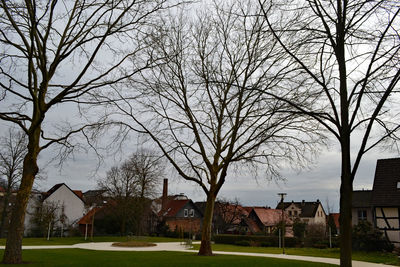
{"x": 282, "y": 195}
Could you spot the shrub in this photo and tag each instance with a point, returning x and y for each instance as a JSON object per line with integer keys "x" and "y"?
{"x": 255, "y": 240}
{"x": 266, "y": 244}
{"x": 299, "y": 228}
{"x": 243, "y": 243}
{"x": 367, "y": 238}
{"x": 315, "y": 234}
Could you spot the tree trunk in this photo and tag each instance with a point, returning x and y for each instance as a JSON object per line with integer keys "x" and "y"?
{"x": 205, "y": 247}
{"x": 346, "y": 192}
{"x": 13, "y": 250}
{"x": 5, "y": 212}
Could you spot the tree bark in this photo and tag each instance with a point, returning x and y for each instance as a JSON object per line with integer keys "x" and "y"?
{"x": 13, "y": 250}
{"x": 205, "y": 247}
{"x": 346, "y": 192}
{"x": 5, "y": 212}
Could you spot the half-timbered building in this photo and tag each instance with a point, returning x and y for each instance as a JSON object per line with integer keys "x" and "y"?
{"x": 386, "y": 198}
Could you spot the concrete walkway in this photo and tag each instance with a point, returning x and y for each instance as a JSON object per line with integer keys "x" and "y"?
{"x": 180, "y": 247}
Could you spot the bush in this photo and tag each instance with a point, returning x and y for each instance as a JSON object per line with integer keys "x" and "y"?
{"x": 266, "y": 244}
{"x": 255, "y": 240}
{"x": 243, "y": 243}
{"x": 367, "y": 238}
{"x": 315, "y": 234}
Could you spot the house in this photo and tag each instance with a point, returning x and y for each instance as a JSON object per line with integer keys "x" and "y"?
{"x": 381, "y": 205}
{"x": 265, "y": 220}
{"x": 335, "y": 218}
{"x": 66, "y": 203}
{"x": 86, "y": 222}
{"x": 308, "y": 212}
{"x": 362, "y": 207}
{"x": 178, "y": 212}
{"x": 385, "y": 198}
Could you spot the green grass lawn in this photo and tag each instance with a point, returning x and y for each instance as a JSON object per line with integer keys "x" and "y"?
{"x": 75, "y": 240}
{"x": 78, "y": 257}
{"x": 376, "y": 257}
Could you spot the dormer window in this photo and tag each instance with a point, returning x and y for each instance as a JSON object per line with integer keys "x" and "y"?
{"x": 192, "y": 213}
{"x": 185, "y": 213}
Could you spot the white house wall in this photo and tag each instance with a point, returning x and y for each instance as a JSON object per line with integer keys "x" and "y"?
{"x": 74, "y": 207}
{"x": 388, "y": 222}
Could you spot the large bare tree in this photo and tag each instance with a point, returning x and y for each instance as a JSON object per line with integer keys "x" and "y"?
{"x": 346, "y": 69}
{"x": 200, "y": 106}
{"x": 53, "y": 52}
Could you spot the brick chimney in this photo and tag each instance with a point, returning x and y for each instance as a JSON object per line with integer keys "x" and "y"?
{"x": 164, "y": 197}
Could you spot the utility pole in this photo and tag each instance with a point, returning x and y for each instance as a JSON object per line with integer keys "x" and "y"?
{"x": 282, "y": 195}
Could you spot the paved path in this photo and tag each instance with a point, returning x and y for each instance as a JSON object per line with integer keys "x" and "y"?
{"x": 177, "y": 246}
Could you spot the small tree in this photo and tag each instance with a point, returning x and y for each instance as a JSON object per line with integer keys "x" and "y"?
{"x": 13, "y": 148}
{"x": 44, "y": 219}
{"x": 299, "y": 228}
{"x": 130, "y": 186}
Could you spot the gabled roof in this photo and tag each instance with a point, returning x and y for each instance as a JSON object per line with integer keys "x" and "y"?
{"x": 387, "y": 175}
{"x": 270, "y": 217}
{"x": 173, "y": 207}
{"x": 362, "y": 199}
{"x": 56, "y": 187}
{"x": 308, "y": 209}
{"x": 252, "y": 225}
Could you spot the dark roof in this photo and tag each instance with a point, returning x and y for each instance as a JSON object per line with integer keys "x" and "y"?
{"x": 308, "y": 209}
{"x": 387, "y": 175}
{"x": 173, "y": 207}
{"x": 361, "y": 199}
{"x": 94, "y": 193}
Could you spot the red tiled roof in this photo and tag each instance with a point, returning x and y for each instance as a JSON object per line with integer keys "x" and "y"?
{"x": 335, "y": 218}
{"x": 78, "y": 193}
{"x": 172, "y": 207}
{"x": 247, "y": 209}
{"x": 253, "y": 227}
{"x": 88, "y": 217}
{"x": 271, "y": 217}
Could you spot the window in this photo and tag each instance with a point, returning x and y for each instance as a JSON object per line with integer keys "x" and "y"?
{"x": 192, "y": 213}
{"x": 295, "y": 213}
{"x": 185, "y": 212}
{"x": 362, "y": 215}
{"x": 398, "y": 185}
{"x": 290, "y": 213}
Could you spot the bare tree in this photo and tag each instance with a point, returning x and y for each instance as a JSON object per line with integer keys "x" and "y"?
{"x": 53, "y": 52}
{"x": 228, "y": 213}
{"x": 346, "y": 69}
{"x": 201, "y": 108}
{"x": 130, "y": 185}
{"x": 12, "y": 152}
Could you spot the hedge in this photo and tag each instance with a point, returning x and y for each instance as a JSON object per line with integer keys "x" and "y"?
{"x": 255, "y": 240}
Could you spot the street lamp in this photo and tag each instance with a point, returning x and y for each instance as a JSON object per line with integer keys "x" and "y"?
{"x": 282, "y": 195}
